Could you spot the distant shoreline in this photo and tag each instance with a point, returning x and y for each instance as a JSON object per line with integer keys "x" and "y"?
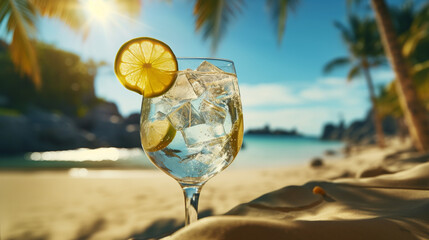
{"x": 276, "y": 149}
{"x": 266, "y": 131}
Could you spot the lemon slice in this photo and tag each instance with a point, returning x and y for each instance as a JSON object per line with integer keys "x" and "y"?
{"x": 157, "y": 135}
{"x": 146, "y": 66}
{"x": 237, "y": 135}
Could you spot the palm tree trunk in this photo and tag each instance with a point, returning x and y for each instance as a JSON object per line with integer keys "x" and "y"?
{"x": 413, "y": 109}
{"x": 376, "y": 116}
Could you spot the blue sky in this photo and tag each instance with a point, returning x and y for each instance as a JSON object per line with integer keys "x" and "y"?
{"x": 281, "y": 85}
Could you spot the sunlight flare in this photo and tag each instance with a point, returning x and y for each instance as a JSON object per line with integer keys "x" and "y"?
{"x": 99, "y": 10}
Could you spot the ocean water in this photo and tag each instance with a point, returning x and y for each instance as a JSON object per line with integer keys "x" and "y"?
{"x": 273, "y": 151}
{"x": 258, "y": 152}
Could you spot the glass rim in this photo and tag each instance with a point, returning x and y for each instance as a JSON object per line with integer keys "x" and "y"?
{"x": 205, "y": 58}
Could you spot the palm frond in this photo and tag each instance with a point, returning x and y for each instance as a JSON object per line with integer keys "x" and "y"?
{"x": 402, "y": 16}
{"x": 336, "y": 63}
{"x": 279, "y": 11}
{"x": 130, "y": 7}
{"x": 414, "y": 39}
{"x": 354, "y": 72}
{"x": 378, "y": 61}
{"x": 4, "y": 10}
{"x": 355, "y": 26}
{"x": 346, "y": 34}
{"x": 353, "y": 3}
{"x": 416, "y": 31}
{"x": 18, "y": 13}
{"x": 71, "y": 12}
{"x": 20, "y": 16}
{"x": 361, "y": 37}
{"x": 213, "y": 16}
{"x": 422, "y": 15}
{"x": 421, "y": 66}
{"x": 68, "y": 11}
{"x": 421, "y": 80}
{"x": 387, "y": 101}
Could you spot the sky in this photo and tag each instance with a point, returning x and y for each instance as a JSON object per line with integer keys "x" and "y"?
{"x": 282, "y": 85}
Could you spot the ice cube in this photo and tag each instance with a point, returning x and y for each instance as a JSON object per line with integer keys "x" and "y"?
{"x": 208, "y": 67}
{"x": 227, "y": 152}
{"x": 198, "y": 135}
{"x": 233, "y": 108}
{"x": 162, "y": 104}
{"x": 198, "y": 86}
{"x": 195, "y": 82}
{"x": 182, "y": 90}
{"x": 228, "y": 123}
{"x": 205, "y": 152}
{"x": 212, "y": 149}
{"x": 158, "y": 116}
{"x": 221, "y": 87}
{"x": 197, "y": 102}
{"x": 185, "y": 116}
{"x": 218, "y": 130}
{"x": 214, "y": 146}
{"x": 212, "y": 113}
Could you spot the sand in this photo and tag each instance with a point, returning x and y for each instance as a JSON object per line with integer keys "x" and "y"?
{"x": 143, "y": 204}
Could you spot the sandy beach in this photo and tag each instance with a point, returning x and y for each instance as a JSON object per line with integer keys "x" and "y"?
{"x": 144, "y": 204}
{"x": 313, "y": 116}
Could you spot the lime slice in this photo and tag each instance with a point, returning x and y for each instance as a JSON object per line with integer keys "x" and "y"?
{"x": 146, "y": 66}
{"x": 237, "y": 135}
{"x": 157, "y": 135}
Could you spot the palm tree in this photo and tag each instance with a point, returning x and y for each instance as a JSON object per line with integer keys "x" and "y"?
{"x": 213, "y": 16}
{"x": 412, "y": 29}
{"x": 414, "y": 111}
{"x": 215, "y": 22}
{"x": 362, "y": 41}
{"x": 21, "y": 16}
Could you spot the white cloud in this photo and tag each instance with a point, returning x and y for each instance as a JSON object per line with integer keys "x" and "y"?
{"x": 267, "y": 94}
{"x": 327, "y": 91}
{"x": 323, "y": 93}
{"x": 332, "y": 81}
{"x": 334, "y": 89}
{"x": 378, "y": 76}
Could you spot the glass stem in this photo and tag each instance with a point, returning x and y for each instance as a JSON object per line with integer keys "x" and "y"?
{"x": 192, "y": 194}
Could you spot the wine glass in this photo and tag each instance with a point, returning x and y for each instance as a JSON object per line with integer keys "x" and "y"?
{"x": 194, "y": 130}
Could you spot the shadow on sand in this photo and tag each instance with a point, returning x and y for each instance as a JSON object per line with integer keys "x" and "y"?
{"x": 164, "y": 227}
